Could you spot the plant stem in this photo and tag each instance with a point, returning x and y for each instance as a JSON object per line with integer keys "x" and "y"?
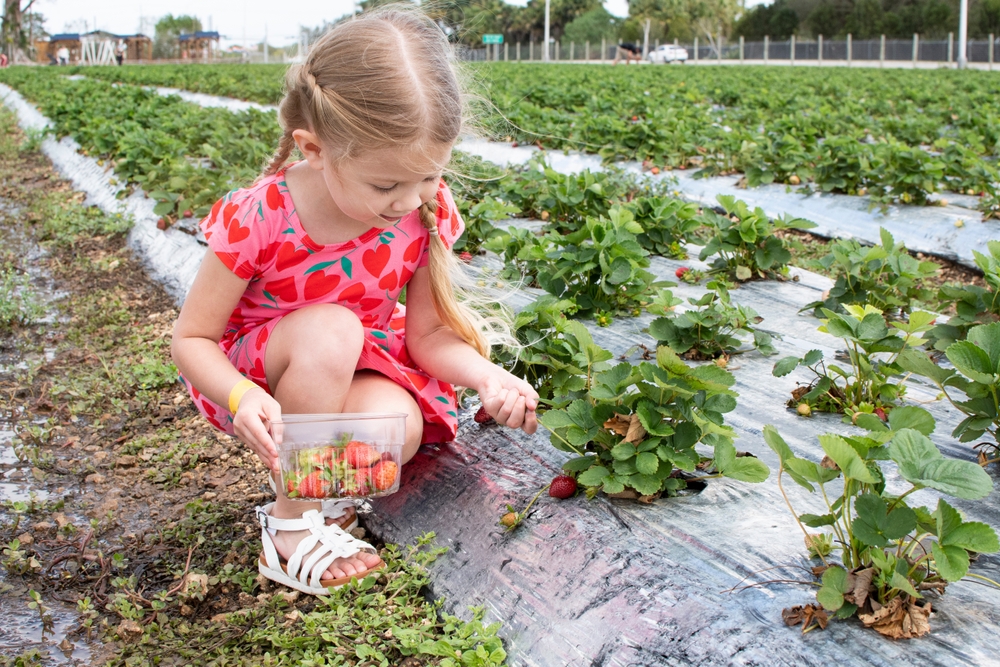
{"x": 781, "y": 469}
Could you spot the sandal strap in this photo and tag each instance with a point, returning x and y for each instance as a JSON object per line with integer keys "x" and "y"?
{"x": 317, "y": 550}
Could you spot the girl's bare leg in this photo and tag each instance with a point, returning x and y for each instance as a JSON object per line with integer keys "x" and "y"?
{"x": 311, "y": 357}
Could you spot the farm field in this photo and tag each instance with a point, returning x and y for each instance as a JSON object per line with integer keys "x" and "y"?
{"x": 719, "y": 329}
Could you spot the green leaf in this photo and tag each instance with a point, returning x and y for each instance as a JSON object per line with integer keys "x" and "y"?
{"x": 668, "y": 360}
{"x": 555, "y": 419}
{"x": 817, "y": 520}
{"x": 579, "y": 464}
{"x": 987, "y": 337}
{"x": 972, "y": 361}
{"x": 594, "y": 476}
{"x": 742, "y": 468}
{"x": 876, "y": 526}
{"x": 831, "y": 593}
{"x": 970, "y": 535}
{"x": 915, "y": 361}
{"x": 921, "y": 464}
{"x": 911, "y": 416}
{"x": 846, "y": 458}
{"x": 777, "y": 443}
{"x": 647, "y": 463}
{"x": 646, "y": 485}
{"x": 952, "y": 563}
{"x": 623, "y": 451}
{"x": 900, "y": 582}
{"x": 785, "y": 366}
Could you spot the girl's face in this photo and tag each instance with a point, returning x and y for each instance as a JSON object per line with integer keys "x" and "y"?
{"x": 379, "y": 187}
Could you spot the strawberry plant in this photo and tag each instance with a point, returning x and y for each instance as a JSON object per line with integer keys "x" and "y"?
{"x": 884, "y": 275}
{"x": 667, "y": 224}
{"x": 891, "y": 553}
{"x": 976, "y": 375}
{"x": 743, "y": 242}
{"x": 600, "y": 267}
{"x": 637, "y": 427}
{"x": 867, "y": 384}
{"x": 708, "y": 330}
{"x": 974, "y": 305}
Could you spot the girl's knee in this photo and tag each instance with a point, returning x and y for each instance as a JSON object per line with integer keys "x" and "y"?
{"x": 328, "y": 328}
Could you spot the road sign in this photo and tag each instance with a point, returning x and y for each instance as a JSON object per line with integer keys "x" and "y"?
{"x": 492, "y": 39}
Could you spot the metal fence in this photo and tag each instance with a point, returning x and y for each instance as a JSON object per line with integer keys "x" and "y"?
{"x": 792, "y": 50}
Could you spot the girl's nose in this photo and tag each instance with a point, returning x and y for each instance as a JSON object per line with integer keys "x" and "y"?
{"x": 410, "y": 201}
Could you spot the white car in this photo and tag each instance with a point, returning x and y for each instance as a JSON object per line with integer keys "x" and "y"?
{"x": 668, "y": 53}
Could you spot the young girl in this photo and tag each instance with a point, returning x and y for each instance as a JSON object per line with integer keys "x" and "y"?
{"x": 295, "y": 309}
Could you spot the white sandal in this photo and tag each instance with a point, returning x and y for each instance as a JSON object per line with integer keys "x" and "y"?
{"x": 332, "y": 509}
{"x": 318, "y": 550}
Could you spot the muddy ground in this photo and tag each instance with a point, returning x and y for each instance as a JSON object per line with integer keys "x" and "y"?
{"x": 127, "y": 521}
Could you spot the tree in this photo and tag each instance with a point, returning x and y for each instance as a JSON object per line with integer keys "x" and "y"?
{"x": 988, "y": 18}
{"x": 14, "y": 29}
{"x": 777, "y": 21}
{"x": 593, "y": 26}
{"x": 168, "y": 29}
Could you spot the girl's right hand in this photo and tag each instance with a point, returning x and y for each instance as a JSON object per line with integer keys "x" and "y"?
{"x": 258, "y": 410}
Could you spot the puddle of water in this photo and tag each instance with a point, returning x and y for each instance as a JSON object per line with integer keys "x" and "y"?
{"x": 20, "y": 492}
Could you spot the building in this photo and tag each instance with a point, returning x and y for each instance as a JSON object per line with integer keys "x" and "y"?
{"x": 201, "y": 45}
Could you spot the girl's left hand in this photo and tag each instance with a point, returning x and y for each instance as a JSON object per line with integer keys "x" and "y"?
{"x": 509, "y": 400}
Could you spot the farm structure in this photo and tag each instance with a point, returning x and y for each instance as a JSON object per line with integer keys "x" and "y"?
{"x": 138, "y": 46}
{"x": 201, "y": 45}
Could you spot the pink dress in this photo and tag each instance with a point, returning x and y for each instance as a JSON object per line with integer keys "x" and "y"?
{"x": 257, "y": 234}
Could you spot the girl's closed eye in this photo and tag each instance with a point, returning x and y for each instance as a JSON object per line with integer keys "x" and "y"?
{"x": 385, "y": 190}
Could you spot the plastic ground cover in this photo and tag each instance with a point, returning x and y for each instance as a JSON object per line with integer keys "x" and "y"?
{"x": 612, "y": 582}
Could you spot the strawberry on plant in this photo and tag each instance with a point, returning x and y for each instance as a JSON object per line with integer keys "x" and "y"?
{"x": 509, "y": 520}
{"x": 562, "y": 487}
{"x": 680, "y": 272}
{"x": 384, "y": 475}
{"x": 483, "y": 417}
{"x": 465, "y": 257}
{"x": 360, "y": 455}
{"x": 881, "y": 413}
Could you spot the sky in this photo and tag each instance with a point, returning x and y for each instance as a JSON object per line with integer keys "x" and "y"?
{"x": 232, "y": 18}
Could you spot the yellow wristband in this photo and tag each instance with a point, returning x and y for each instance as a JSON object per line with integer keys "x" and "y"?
{"x": 236, "y": 395}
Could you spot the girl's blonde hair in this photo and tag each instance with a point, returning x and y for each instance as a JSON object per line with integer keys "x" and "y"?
{"x": 384, "y": 79}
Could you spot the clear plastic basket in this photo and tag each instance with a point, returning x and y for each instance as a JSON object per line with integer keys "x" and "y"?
{"x": 349, "y": 455}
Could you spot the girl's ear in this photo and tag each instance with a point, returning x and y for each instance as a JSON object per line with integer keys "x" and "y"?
{"x": 310, "y": 148}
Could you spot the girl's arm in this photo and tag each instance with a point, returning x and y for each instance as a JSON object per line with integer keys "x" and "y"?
{"x": 195, "y": 350}
{"x": 441, "y": 353}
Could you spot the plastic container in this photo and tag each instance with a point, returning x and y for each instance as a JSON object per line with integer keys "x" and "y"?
{"x": 350, "y": 455}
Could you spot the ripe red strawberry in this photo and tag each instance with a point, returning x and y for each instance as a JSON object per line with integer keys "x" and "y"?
{"x": 562, "y": 487}
{"x": 161, "y": 224}
{"x": 313, "y": 485}
{"x": 360, "y": 455}
{"x": 465, "y": 257}
{"x": 357, "y": 483}
{"x": 881, "y": 413}
{"x": 681, "y": 271}
{"x": 483, "y": 417}
{"x": 188, "y": 213}
{"x": 384, "y": 475}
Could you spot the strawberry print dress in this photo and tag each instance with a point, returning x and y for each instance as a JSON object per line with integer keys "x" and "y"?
{"x": 257, "y": 234}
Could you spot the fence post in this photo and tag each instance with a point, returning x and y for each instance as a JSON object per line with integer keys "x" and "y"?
{"x": 741, "y": 49}
{"x": 696, "y": 48}
{"x": 819, "y": 51}
{"x": 506, "y": 51}
{"x": 718, "y": 50}
{"x": 518, "y": 50}
{"x": 531, "y": 50}
{"x": 991, "y": 52}
{"x": 916, "y": 47}
{"x": 881, "y": 51}
{"x": 951, "y": 46}
{"x": 586, "y": 51}
{"x": 604, "y": 48}
{"x": 849, "y": 49}
{"x": 792, "y": 51}
{"x": 765, "y": 49}
{"x": 656, "y": 44}
{"x": 572, "y": 48}
{"x": 556, "y": 57}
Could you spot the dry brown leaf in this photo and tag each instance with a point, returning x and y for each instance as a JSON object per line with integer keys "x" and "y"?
{"x": 627, "y": 494}
{"x": 636, "y": 431}
{"x": 818, "y": 570}
{"x": 862, "y": 586}
{"x": 806, "y": 615}
{"x": 828, "y": 463}
{"x": 792, "y": 615}
{"x": 618, "y": 424}
{"x": 902, "y": 618}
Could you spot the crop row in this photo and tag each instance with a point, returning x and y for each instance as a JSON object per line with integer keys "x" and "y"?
{"x": 895, "y": 136}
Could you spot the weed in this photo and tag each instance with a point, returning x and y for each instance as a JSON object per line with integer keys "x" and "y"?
{"x": 19, "y": 305}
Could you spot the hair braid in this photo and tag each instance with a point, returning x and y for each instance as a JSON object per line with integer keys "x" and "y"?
{"x": 285, "y": 146}
{"x": 464, "y": 321}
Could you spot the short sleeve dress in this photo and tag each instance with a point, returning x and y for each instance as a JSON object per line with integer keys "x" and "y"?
{"x": 257, "y": 234}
